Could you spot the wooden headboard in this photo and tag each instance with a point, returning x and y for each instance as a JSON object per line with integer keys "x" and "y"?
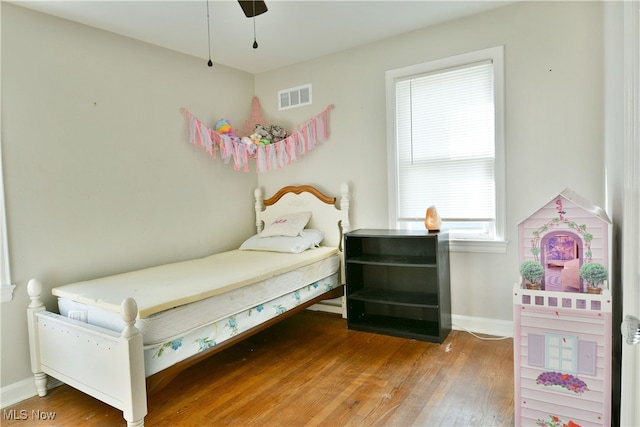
{"x": 327, "y": 215}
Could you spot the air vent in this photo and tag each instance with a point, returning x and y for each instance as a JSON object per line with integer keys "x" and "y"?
{"x": 294, "y": 97}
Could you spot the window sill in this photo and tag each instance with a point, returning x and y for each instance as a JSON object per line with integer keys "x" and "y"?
{"x": 481, "y": 246}
{"x": 6, "y": 292}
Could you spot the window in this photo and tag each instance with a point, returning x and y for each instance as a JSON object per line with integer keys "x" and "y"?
{"x": 446, "y": 146}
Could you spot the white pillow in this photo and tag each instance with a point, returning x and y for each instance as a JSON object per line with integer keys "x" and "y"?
{"x": 287, "y": 225}
{"x": 307, "y": 239}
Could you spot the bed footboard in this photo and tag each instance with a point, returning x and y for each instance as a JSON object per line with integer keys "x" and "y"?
{"x": 103, "y": 364}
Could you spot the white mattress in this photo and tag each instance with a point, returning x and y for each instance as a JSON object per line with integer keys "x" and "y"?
{"x": 163, "y": 287}
{"x": 166, "y": 325}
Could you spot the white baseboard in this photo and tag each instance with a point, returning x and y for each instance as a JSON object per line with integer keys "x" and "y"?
{"x": 22, "y": 390}
{"x": 481, "y": 325}
{"x": 17, "y": 392}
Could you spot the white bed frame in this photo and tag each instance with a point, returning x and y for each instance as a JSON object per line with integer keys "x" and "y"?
{"x": 110, "y": 366}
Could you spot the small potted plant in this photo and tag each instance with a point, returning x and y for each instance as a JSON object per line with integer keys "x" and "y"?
{"x": 594, "y": 274}
{"x": 532, "y": 272}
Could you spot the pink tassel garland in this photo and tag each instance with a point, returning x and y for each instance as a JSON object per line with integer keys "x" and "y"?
{"x": 268, "y": 157}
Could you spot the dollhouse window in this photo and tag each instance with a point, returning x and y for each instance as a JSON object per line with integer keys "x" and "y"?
{"x": 447, "y": 144}
{"x": 564, "y": 353}
{"x": 561, "y": 353}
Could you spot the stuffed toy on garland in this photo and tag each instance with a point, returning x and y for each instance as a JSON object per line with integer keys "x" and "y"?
{"x": 223, "y": 127}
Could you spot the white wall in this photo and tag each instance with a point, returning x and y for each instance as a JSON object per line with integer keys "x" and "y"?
{"x": 554, "y": 124}
{"x": 99, "y": 175}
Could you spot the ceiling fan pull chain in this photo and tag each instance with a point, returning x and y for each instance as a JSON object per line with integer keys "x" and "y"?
{"x": 209, "y": 63}
{"x": 255, "y": 43}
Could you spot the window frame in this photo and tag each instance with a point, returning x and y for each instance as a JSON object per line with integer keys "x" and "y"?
{"x": 495, "y": 54}
{"x": 6, "y": 287}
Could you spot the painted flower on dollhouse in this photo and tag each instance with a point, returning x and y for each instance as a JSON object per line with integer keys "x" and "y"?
{"x": 588, "y": 237}
{"x": 594, "y": 274}
{"x": 555, "y": 421}
{"x": 535, "y": 250}
{"x": 566, "y": 381}
{"x": 532, "y": 272}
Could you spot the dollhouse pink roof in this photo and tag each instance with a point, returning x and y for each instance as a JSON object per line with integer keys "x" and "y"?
{"x": 580, "y": 201}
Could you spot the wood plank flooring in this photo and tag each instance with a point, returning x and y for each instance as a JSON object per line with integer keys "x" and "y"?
{"x": 310, "y": 370}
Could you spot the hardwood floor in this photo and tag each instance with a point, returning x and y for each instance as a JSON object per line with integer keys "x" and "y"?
{"x": 311, "y": 370}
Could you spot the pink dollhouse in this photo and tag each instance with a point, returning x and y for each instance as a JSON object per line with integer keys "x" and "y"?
{"x": 562, "y": 235}
{"x": 562, "y": 335}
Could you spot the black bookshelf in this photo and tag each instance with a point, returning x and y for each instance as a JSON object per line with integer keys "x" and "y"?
{"x": 398, "y": 283}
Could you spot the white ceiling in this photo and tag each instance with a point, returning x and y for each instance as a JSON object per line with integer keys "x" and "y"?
{"x": 290, "y": 31}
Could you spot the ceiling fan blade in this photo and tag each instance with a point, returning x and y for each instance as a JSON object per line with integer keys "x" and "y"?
{"x": 253, "y": 8}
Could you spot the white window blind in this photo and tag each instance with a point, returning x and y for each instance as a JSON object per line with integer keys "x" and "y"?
{"x": 446, "y": 144}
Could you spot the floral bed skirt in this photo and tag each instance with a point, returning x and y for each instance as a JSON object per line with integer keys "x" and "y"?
{"x": 162, "y": 356}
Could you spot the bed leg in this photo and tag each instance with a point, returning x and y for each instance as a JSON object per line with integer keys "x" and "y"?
{"x": 41, "y": 383}
{"x": 34, "y": 289}
{"x": 135, "y": 403}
